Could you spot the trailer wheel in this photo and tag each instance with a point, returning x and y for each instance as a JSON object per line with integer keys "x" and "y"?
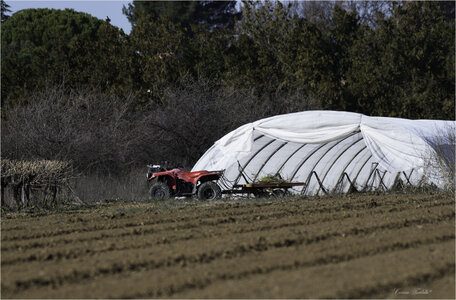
{"x": 159, "y": 191}
{"x": 261, "y": 193}
{"x": 209, "y": 190}
{"x": 279, "y": 193}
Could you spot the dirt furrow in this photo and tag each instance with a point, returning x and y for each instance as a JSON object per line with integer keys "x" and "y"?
{"x": 107, "y": 223}
{"x": 188, "y": 276}
{"x": 58, "y": 226}
{"x": 136, "y": 239}
{"x": 192, "y": 251}
{"x": 440, "y": 285}
{"x": 335, "y": 246}
{"x": 147, "y": 228}
{"x": 440, "y": 272}
{"x": 146, "y": 211}
{"x": 384, "y": 271}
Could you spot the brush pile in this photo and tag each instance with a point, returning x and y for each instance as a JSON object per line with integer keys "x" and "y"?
{"x": 37, "y": 181}
{"x": 38, "y": 172}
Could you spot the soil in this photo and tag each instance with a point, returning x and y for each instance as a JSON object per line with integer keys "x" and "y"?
{"x": 352, "y": 246}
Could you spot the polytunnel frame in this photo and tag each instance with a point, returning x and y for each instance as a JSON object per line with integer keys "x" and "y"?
{"x": 339, "y": 165}
{"x": 346, "y": 166}
{"x": 327, "y": 151}
{"x": 241, "y": 171}
{"x": 352, "y": 183}
{"x": 373, "y": 174}
{"x": 372, "y": 171}
{"x": 269, "y": 157}
{"x": 313, "y": 172}
{"x": 243, "y": 168}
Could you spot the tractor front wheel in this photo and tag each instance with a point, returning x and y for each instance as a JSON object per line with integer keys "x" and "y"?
{"x": 209, "y": 191}
{"x": 158, "y": 191}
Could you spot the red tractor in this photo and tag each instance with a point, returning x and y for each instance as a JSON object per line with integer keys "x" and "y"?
{"x": 176, "y": 182}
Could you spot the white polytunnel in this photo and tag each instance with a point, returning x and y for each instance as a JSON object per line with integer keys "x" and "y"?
{"x": 333, "y": 152}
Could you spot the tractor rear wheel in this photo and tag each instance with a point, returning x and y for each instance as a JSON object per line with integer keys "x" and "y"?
{"x": 209, "y": 190}
{"x": 158, "y": 191}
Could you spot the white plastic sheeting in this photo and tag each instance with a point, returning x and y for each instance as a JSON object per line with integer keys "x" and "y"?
{"x": 331, "y": 151}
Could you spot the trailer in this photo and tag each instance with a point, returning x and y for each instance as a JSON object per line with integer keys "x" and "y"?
{"x": 264, "y": 189}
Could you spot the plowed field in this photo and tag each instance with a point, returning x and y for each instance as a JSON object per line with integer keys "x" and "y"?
{"x": 355, "y": 246}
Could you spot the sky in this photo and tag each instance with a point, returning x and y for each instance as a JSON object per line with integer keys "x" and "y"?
{"x": 98, "y": 9}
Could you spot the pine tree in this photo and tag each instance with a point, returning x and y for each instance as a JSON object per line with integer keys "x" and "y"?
{"x": 4, "y": 9}
{"x": 211, "y": 14}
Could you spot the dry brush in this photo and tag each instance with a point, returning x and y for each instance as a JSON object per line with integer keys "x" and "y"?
{"x": 38, "y": 182}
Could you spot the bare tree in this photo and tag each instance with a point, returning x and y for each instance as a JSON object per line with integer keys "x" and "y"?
{"x": 196, "y": 114}
{"x": 90, "y": 129}
{"x": 108, "y": 134}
